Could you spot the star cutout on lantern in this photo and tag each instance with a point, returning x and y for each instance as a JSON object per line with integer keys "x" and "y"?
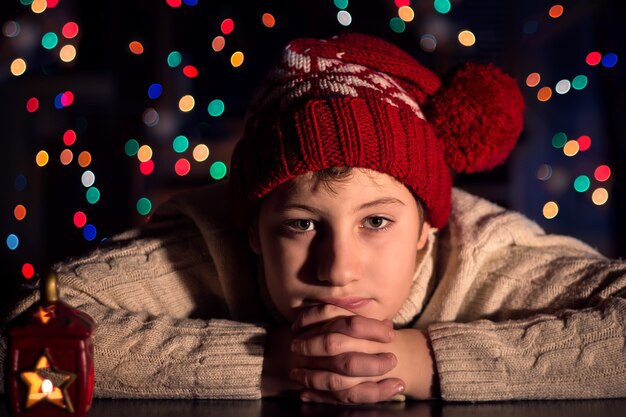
{"x": 45, "y": 314}
{"x": 46, "y": 383}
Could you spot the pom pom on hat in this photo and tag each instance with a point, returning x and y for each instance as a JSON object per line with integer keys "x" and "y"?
{"x": 478, "y": 114}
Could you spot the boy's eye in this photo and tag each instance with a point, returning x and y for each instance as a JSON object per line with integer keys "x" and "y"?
{"x": 376, "y": 222}
{"x": 301, "y": 225}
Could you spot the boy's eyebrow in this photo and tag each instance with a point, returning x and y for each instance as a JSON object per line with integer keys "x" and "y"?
{"x": 380, "y": 202}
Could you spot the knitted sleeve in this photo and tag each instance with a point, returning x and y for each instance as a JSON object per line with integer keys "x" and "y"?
{"x": 156, "y": 337}
{"x": 538, "y": 316}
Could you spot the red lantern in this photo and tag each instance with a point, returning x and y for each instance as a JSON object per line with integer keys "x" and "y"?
{"x": 50, "y": 361}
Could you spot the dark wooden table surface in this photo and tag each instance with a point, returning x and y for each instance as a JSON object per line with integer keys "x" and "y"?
{"x": 288, "y": 408}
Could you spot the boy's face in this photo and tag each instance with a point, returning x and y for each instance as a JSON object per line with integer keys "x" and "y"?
{"x": 353, "y": 245}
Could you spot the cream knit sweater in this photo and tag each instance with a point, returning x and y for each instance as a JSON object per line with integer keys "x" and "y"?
{"x": 513, "y": 313}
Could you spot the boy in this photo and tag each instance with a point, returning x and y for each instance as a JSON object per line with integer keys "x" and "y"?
{"x": 368, "y": 277}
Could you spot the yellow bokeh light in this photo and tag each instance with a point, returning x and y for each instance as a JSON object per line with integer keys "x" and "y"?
{"x": 236, "y": 59}
{"x": 18, "y": 67}
{"x": 39, "y": 6}
{"x": 42, "y": 158}
{"x": 406, "y": 13}
{"x": 467, "y": 38}
{"x": 201, "y": 153}
{"x": 571, "y": 148}
{"x": 144, "y": 154}
{"x": 544, "y": 94}
{"x": 600, "y": 196}
{"x": 186, "y": 103}
{"x": 67, "y": 53}
{"x": 550, "y": 210}
{"x": 533, "y": 79}
{"x": 84, "y": 159}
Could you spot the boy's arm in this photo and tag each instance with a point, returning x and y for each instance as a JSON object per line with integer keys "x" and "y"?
{"x": 143, "y": 291}
{"x": 526, "y": 315}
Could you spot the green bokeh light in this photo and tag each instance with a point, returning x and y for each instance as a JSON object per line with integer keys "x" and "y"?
{"x": 579, "y": 82}
{"x": 341, "y": 4}
{"x": 397, "y": 25}
{"x": 144, "y": 206}
{"x": 131, "y": 147}
{"x": 216, "y": 108}
{"x": 442, "y": 6}
{"x": 93, "y": 195}
{"x": 174, "y": 59}
{"x": 218, "y": 170}
{"x": 180, "y": 144}
{"x": 582, "y": 183}
{"x": 559, "y": 140}
{"x": 49, "y": 40}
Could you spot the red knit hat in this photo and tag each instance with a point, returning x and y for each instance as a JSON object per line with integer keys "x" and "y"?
{"x": 357, "y": 100}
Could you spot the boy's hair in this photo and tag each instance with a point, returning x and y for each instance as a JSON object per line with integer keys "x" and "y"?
{"x": 355, "y": 100}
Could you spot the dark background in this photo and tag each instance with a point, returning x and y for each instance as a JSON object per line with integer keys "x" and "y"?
{"x": 110, "y": 88}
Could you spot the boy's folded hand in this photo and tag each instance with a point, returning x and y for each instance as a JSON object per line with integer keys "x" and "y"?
{"x": 344, "y": 357}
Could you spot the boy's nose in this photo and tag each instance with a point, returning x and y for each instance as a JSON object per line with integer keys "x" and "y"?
{"x": 339, "y": 260}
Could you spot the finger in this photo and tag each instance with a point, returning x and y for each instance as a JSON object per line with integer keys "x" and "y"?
{"x": 323, "y": 380}
{"x": 358, "y": 327}
{"x": 317, "y": 314}
{"x": 353, "y": 363}
{"x": 331, "y": 344}
{"x": 364, "y": 393}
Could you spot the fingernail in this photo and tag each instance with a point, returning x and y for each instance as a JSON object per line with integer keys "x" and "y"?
{"x": 400, "y": 388}
{"x": 392, "y": 334}
{"x": 305, "y": 398}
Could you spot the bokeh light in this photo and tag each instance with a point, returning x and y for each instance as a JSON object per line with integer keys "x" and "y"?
{"x": 11, "y": 29}
{"x": 131, "y": 147}
{"x": 84, "y": 159}
{"x": 406, "y": 13}
{"x": 236, "y": 59}
{"x": 18, "y": 67}
{"x": 584, "y": 142}
{"x": 341, "y": 4}
{"x": 562, "y": 87}
{"x": 533, "y": 79}
{"x": 70, "y": 30}
{"x": 88, "y": 179}
{"x": 89, "y": 232}
{"x": 602, "y": 173}
{"x": 579, "y": 82}
{"x": 344, "y": 18}
{"x": 174, "y": 59}
{"x": 544, "y": 94}
{"x": 190, "y": 71}
{"x": 600, "y": 196}
{"x": 79, "y": 219}
{"x": 144, "y": 206}
{"x": 13, "y": 241}
{"x": 397, "y": 25}
{"x": 227, "y": 26}
{"x": 136, "y": 47}
{"x": 42, "y": 158}
{"x": 66, "y": 157}
{"x": 268, "y": 20}
{"x": 49, "y": 40}
{"x": 67, "y": 53}
{"x": 180, "y": 144}
{"x": 556, "y": 11}
{"x": 19, "y": 212}
{"x": 218, "y": 170}
{"x": 155, "y": 90}
{"x": 466, "y": 38}
{"x": 28, "y": 270}
{"x": 609, "y": 60}
{"x": 550, "y": 210}
{"x": 582, "y": 183}
{"x": 144, "y": 153}
{"x": 218, "y": 43}
{"x": 39, "y": 6}
{"x": 182, "y": 167}
{"x": 20, "y": 182}
{"x": 69, "y": 137}
{"x": 559, "y": 140}
{"x": 147, "y": 167}
{"x": 200, "y": 152}
{"x": 428, "y": 42}
{"x": 216, "y": 107}
{"x": 32, "y": 105}
{"x": 571, "y": 148}
{"x": 92, "y": 195}
{"x": 593, "y": 58}
{"x": 442, "y": 6}
{"x": 150, "y": 117}
{"x": 186, "y": 103}
{"x": 544, "y": 172}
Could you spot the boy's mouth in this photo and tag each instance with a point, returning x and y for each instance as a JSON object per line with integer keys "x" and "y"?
{"x": 347, "y": 303}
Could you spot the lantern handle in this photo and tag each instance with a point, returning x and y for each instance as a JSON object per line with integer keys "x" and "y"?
{"x": 50, "y": 288}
